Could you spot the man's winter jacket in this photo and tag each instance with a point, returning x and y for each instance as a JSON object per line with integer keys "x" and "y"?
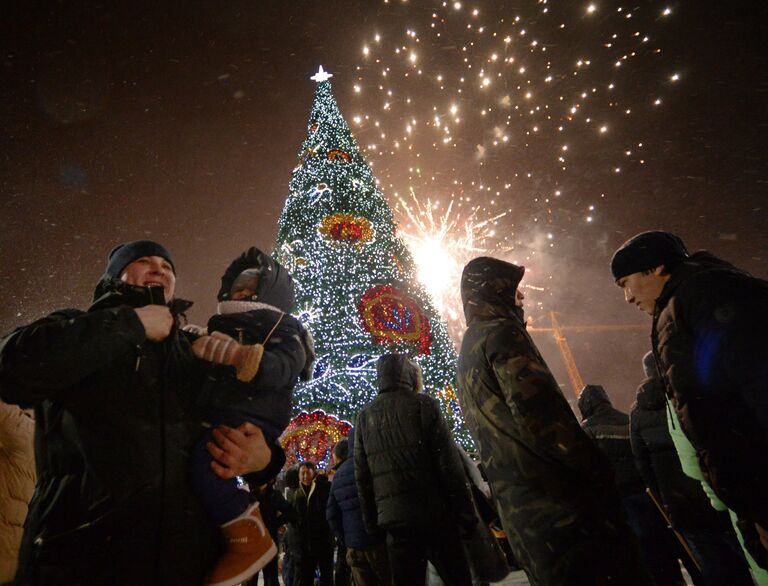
{"x": 115, "y": 421}
{"x": 609, "y": 429}
{"x": 709, "y": 341}
{"x": 659, "y": 465}
{"x": 343, "y": 513}
{"x": 408, "y": 470}
{"x": 313, "y": 532}
{"x": 553, "y": 486}
{"x": 17, "y": 470}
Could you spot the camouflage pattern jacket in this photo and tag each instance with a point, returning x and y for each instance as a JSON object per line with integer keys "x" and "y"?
{"x": 553, "y": 486}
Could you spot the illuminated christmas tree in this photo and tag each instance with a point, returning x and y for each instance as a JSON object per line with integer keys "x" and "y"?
{"x": 356, "y": 287}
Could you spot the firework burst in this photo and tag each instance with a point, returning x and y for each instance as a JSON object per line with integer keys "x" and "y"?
{"x": 442, "y": 240}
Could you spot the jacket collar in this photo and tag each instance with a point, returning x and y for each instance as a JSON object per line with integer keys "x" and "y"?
{"x": 111, "y": 292}
{"x": 697, "y": 262}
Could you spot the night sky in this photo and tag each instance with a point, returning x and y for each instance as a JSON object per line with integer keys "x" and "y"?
{"x": 181, "y": 122}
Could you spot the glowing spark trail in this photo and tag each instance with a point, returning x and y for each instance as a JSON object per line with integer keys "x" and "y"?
{"x": 442, "y": 242}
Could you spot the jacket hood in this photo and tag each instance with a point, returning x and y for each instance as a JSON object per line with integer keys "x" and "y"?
{"x": 396, "y": 372}
{"x": 649, "y": 365}
{"x": 488, "y": 287}
{"x": 591, "y": 397}
{"x": 650, "y": 394}
{"x": 275, "y": 282}
{"x": 699, "y": 261}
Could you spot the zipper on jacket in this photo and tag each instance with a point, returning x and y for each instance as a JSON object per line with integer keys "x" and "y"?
{"x": 669, "y": 410}
{"x": 139, "y": 355}
{"x": 657, "y": 360}
{"x": 40, "y": 540}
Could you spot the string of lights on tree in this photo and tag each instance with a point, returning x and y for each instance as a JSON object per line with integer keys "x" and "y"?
{"x": 311, "y": 436}
{"x": 356, "y": 286}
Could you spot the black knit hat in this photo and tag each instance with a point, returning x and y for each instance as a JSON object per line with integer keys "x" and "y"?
{"x": 341, "y": 449}
{"x": 646, "y": 251}
{"x": 124, "y": 254}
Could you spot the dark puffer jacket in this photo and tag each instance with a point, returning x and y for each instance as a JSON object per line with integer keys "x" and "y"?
{"x": 288, "y": 352}
{"x": 708, "y": 339}
{"x": 553, "y": 486}
{"x": 609, "y": 429}
{"x": 408, "y": 470}
{"x": 343, "y": 513}
{"x": 659, "y": 464}
{"x": 115, "y": 422}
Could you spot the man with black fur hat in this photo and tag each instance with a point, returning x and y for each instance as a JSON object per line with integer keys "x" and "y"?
{"x": 554, "y": 488}
{"x": 709, "y": 339}
{"x": 114, "y": 391}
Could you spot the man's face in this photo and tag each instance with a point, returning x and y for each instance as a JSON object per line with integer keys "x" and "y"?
{"x": 643, "y": 289}
{"x": 519, "y": 297}
{"x": 306, "y": 475}
{"x": 151, "y": 270}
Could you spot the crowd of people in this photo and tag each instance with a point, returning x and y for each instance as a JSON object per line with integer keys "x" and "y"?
{"x": 156, "y": 456}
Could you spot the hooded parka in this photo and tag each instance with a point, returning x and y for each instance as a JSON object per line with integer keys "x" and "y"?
{"x": 609, "y": 429}
{"x": 408, "y": 470}
{"x": 115, "y": 420}
{"x": 554, "y": 488}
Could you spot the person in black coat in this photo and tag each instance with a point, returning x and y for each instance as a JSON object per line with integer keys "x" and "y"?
{"x": 709, "y": 536}
{"x": 609, "y": 429}
{"x": 315, "y": 543}
{"x": 291, "y": 543}
{"x": 114, "y": 391}
{"x": 366, "y": 553}
{"x": 707, "y": 336}
{"x": 276, "y": 512}
{"x": 410, "y": 478}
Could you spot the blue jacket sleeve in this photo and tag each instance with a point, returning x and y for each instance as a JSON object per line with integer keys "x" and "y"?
{"x": 333, "y": 516}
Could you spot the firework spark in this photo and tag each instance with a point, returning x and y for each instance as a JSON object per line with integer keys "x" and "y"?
{"x": 442, "y": 241}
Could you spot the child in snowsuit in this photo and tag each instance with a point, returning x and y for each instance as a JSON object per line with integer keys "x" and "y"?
{"x": 259, "y": 352}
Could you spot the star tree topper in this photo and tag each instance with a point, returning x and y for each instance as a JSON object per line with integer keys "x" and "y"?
{"x": 321, "y": 75}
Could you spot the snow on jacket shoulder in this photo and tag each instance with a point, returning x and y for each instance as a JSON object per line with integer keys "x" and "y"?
{"x": 17, "y": 471}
